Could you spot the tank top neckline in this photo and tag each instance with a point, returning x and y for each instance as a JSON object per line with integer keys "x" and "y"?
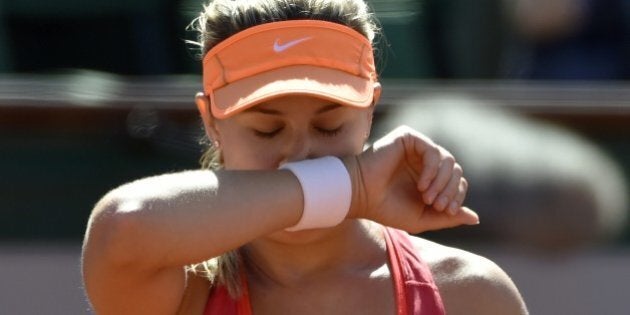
{"x": 245, "y": 308}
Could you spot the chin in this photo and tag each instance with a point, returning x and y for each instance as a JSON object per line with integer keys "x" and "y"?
{"x": 300, "y": 237}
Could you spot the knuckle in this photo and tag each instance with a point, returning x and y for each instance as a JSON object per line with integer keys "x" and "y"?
{"x": 402, "y": 129}
{"x": 405, "y": 132}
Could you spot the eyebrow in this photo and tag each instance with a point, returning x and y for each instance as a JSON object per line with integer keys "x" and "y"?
{"x": 259, "y": 109}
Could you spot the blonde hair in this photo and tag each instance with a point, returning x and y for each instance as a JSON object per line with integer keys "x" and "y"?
{"x": 221, "y": 19}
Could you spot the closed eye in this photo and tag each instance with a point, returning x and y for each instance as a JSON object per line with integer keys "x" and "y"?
{"x": 328, "y": 132}
{"x": 267, "y": 135}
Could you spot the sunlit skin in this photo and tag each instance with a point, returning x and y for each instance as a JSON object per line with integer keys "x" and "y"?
{"x": 141, "y": 234}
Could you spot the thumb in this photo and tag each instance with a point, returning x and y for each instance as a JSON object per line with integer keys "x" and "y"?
{"x": 437, "y": 220}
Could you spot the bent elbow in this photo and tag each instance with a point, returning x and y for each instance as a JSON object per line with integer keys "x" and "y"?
{"x": 111, "y": 228}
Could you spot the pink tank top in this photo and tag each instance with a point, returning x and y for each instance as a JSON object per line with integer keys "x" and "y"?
{"x": 415, "y": 290}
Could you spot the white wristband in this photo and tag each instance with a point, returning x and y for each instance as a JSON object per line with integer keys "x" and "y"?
{"x": 327, "y": 192}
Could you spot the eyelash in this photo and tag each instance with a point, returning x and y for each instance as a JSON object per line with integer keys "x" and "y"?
{"x": 329, "y": 133}
{"x": 267, "y": 135}
{"x": 323, "y": 132}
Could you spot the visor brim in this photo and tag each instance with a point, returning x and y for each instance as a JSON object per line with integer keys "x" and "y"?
{"x": 324, "y": 83}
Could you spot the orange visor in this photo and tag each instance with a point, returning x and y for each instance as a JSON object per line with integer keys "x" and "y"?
{"x": 307, "y": 57}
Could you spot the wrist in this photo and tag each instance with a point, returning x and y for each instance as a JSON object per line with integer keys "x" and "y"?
{"x": 358, "y": 202}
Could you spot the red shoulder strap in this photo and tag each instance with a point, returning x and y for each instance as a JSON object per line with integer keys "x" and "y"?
{"x": 416, "y": 292}
{"x": 397, "y": 274}
{"x": 220, "y": 301}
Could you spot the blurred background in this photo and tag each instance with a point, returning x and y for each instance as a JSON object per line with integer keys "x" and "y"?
{"x": 532, "y": 97}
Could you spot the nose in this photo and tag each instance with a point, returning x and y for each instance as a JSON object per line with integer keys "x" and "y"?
{"x": 299, "y": 147}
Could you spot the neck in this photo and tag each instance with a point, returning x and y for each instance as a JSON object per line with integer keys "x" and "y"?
{"x": 352, "y": 245}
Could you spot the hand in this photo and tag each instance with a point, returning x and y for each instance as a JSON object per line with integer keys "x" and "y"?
{"x": 406, "y": 181}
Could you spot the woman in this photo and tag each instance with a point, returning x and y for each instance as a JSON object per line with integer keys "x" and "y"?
{"x": 300, "y": 219}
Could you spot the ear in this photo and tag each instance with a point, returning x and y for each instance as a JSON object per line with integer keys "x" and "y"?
{"x": 377, "y": 93}
{"x": 203, "y": 105}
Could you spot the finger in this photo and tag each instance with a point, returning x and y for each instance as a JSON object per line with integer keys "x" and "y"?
{"x": 445, "y": 198}
{"x": 457, "y": 202}
{"x": 441, "y": 179}
{"x": 430, "y": 167}
{"x": 467, "y": 216}
{"x": 433, "y": 220}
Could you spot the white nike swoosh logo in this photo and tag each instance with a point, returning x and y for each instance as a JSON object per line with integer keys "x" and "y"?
{"x": 277, "y": 47}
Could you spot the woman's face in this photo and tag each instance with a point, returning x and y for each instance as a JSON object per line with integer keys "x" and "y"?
{"x": 289, "y": 129}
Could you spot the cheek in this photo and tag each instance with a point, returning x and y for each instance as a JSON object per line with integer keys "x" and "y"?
{"x": 356, "y": 138}
{"x": 355, "y": 144}
{"x": 244, "y": 154}
{"x": 238, "y": 150}
{"x": 247, "y": 158}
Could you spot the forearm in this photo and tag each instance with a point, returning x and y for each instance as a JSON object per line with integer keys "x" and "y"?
{"x": 188, "y": 217}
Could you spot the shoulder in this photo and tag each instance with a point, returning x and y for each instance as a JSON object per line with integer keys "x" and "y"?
{"x": 469, "y": 283}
